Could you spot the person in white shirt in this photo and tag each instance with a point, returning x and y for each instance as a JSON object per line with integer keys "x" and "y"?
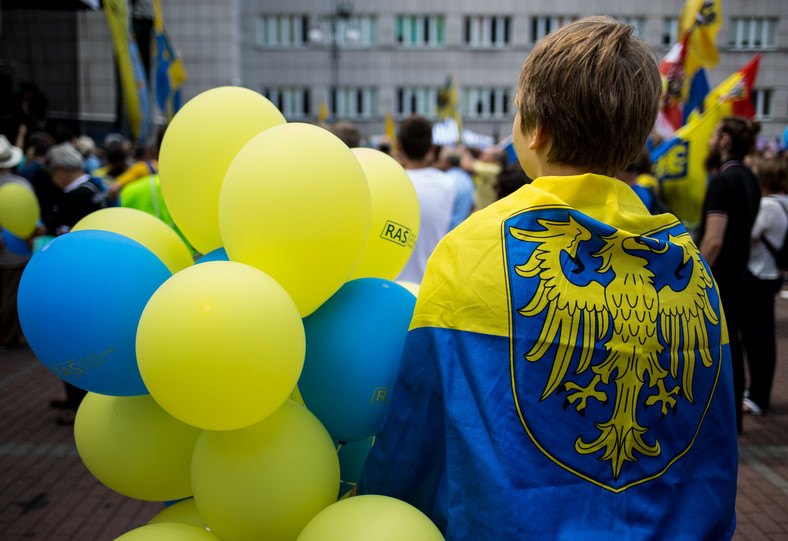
{"x": 765, "y": 280}
{"x": 435, "y": 189}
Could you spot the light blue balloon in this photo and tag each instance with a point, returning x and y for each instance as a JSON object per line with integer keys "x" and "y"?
{"x": 15, "y": 244}
{"x": 353, "y": 346}
{"x": 785, "y": 138}
{"x": 214, "y": 255}
{"x": 80, "y": 300}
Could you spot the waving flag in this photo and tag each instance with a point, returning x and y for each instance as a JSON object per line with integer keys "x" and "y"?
{"x": 170, "y": 73}
{"x": 566, "y": 376}
{"x": 133, "y": 81}
{"x": 678, "y": 162}
{"x": 682, "y": 69}
{"x": 449, "y": 103}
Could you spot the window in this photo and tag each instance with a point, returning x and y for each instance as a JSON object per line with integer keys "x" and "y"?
{"x": 292, "y": 102}
{"x": 670, "y": 31}
{"x": 360, "y": 31}
{"x": 420, "y": 31}
{"x": 762, "y": 101}
{"x": 486, "y": 32}
{"x": 356, "y": 103}
{"x": 282, "y": 31}
{"x": 417, "y": 101}
{"x": 486, "y": 102}
{"x": 752, "y": 33}
{"x": 541, "y": 26}
{"x": 638, "y": 22}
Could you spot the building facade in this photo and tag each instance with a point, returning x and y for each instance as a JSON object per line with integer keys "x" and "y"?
{"x": 368, "y": 59}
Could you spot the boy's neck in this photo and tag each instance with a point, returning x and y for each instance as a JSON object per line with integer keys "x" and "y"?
{"x": 558, "y": 170}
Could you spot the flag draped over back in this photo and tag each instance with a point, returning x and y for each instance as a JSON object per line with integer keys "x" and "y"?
{"x": 132, "y": 74}
{"x": 679, "y": 161}
{"x": 170, "y": 73}
{"x": 566, "y": 375}
{"x": 449, "y": 103}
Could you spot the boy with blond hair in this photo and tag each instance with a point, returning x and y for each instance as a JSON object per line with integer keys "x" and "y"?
{"x": 567, "y": 374}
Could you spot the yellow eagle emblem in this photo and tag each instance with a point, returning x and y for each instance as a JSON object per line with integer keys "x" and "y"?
{"x": 645, "y": 332}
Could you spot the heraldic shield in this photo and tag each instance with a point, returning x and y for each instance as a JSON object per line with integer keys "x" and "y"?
{"x": 615, "y": 343}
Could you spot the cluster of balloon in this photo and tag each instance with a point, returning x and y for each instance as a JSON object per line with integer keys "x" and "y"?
{"x": 245, "y": 388}
{"x": 19, "y": 215}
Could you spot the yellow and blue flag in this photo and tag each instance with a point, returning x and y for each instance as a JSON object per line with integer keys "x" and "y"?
{"x": 566, "y": 375}
{"x": 134, "y": 82}
{"x": 679, "y": 161}
{"x": 170, "y": 72}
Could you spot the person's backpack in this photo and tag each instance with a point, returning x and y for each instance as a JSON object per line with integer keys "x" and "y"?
{"x": 780, "y": 254}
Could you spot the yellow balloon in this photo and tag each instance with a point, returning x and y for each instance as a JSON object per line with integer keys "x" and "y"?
{"x": 19, "y": 210}
{"x": 146, "y": 229}
{"x": 268, "y": 480}
{"x": 134, "y": 447}
{"x": 295, "y": 204}
{"x": 168, "y": 531}
{"x": 198, "y": 146}
{"x": 220, "y": 345}
{"x": 395, "y": 216}
{"x": 370, "y": 518}
{"x": 184, "y": 511}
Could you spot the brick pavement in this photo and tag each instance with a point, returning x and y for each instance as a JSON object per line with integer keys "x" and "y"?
{"x": 46, "y": 493}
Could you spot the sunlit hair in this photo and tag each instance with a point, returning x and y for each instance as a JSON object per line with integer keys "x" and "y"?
{"x": 743, "y": 135}
{"x": 594, "y": 88}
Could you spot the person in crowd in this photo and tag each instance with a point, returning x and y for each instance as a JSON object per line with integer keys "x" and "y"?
{"x": 434, "y": 188}
{"x": 348, "y": 132}
{"x": 48, "y": 195}
{"x": 80, "y": 197}
{"x": 116, "y": 151}
{"x": 565, "y": 375}
{"x": 449, "y": 160}
{"x": 485, "y": 169}
{"x": 146, "y": 164}
{"x": 510, "y": 179}
{"x": 12, "y": 265}
{"x": 764, "y": 282}
{"x": 729, "y": 209}
{"x": 87, "y": 147}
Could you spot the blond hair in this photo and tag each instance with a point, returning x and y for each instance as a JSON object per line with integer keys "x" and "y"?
{"x": 594, "y": 88}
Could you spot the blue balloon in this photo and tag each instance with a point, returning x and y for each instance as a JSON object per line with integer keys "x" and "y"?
{"x": 214, "y": 255}
{"x": 352, "y": 456}
{"x": 80, "y": 300}
{"x": 353, "y": 346}
{"x": 785, "y": 138}
{"x": 15, "y": 244}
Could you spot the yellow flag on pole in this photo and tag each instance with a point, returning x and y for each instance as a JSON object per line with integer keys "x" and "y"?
{"x": 118, "y": 21}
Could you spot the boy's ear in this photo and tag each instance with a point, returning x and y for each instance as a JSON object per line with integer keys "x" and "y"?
{"x": 540, "y": 138}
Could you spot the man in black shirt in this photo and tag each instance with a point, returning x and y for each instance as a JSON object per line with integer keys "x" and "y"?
{"x": 729, "y": 210}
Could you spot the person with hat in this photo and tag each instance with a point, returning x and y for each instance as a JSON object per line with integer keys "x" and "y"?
{"x": 12, "y": 264}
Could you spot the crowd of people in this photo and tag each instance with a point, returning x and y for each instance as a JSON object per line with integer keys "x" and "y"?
{"x": 567, "y": 349}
